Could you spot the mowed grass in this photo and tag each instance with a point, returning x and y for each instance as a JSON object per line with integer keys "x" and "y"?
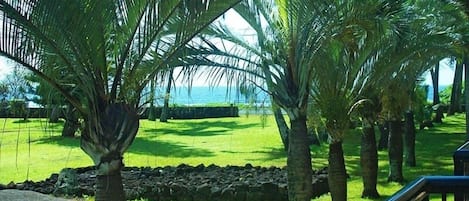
{"x": 434, "y": 156}
{"x": 221, "y": 141}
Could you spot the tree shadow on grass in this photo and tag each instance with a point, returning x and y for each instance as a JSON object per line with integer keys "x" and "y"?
{"x": 59, "y": 140}
{"x": 36, "y": 122}
{"x": 270, "y": 153}
{"x": 22, "y": 121}
{"x": 139, "y": 146}
{"x": 166, "y": 149}
{"x": 200, "y": 128}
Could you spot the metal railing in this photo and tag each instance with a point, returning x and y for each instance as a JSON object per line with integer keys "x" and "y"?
{"x": 458, "y": 185}
{"x": 421, "y": 188}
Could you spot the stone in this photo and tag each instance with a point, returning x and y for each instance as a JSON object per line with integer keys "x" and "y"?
{"x": 20, "y": 195}
{"x": 184, "y": 183}
{"x": 67, "y": 182}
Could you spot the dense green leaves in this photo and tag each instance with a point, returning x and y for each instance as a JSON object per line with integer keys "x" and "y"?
{"x": 111, "y": 47}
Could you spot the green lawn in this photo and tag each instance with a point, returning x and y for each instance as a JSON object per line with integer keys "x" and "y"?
{"x": 222, "y": 141}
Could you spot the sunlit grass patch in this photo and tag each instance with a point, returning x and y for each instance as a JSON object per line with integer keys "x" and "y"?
{"x": 33, "y": 150}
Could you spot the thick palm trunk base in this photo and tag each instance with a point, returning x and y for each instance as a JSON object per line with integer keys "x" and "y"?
{"x": 337, "y": 175}
{"x": 107, "y": 135}
{"x": 110, "y": 188}
{"x": 369, "y": 163}
{"x": 395, "y": 152}
{"x": 299, "y": 163}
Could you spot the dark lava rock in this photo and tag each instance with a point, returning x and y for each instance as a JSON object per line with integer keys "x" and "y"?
{"x": 182, "y": 183}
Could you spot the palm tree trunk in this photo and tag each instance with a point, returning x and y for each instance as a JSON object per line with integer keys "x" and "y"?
{"x": 70, "y": 128}
{"x": 71, "y": 124}
{"x": 107, "y": 135}
{"x": 466, "y": 93}
{"x": 395, "y": 151}
{"x": 369, "y": 161}
{"x": 435, "y": 74}
{"x": 409, "y": 140}
{"x": 455, "y": 101}
{"x": 152, "y": 110}
{"x": 282, "y": 127}
{"x": 55, "y": 114}
{"x": 110, "y": 188}
{"x": 299, "y": 162}
{"x": 165, "y": 109}
{"x": 337, "y": 175}
{"x": 384, "y": 135}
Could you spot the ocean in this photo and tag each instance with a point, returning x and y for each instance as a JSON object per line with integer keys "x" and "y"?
{"x": 430, "y": 91}
{"x": 222, "y": 95}
{"x": 204, "y": 95}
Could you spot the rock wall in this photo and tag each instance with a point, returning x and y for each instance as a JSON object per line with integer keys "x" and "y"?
{"x": 190, "y": 183}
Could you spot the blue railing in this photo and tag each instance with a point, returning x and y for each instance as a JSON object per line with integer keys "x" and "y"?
{"x": 421, "y": 188}
{"x": 458, "y": 185}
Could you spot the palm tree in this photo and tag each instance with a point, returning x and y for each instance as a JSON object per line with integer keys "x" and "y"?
{"x": 368, "y": 111}
{"x": 466, "y": 73}
{"x": 456, "y": 91}
{"x": 435, "y": 73}
{"x": 113, "y": 48}
{"x": 285, "y": 36}
{"x": 290, "y": 47}
{"x": 343, "y": 78}
{"x": 432, "y": 36}
{"x": 165, "y": 109}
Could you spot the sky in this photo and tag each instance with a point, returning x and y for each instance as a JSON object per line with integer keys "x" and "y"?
{"x": 240, "y": 26}
{"x": 5, "y": 68}
{"x": 446, "y": 73}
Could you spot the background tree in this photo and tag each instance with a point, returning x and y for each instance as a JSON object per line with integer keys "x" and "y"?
{"x": 165, "y": 110}
{"x": 19, "y": 92}
{"x": 435, "y": 74}
{"x": 3, "y": 98}
{"x": 112, "y": 60}
{"x": 56, "y": 105}
{"x": 456, "y": 92}
{"x": 466, "y": 72}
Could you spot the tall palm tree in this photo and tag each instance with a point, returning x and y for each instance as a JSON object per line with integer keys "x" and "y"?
{"x": 285, "y": 36}
{"x": 113, "y": 48}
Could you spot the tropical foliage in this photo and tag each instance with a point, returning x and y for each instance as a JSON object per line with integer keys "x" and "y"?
{"x": 109, "y": 51}
{"x": 333, "y": 55}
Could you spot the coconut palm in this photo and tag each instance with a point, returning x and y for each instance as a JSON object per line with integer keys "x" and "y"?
{"x": 112, "y": 49}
